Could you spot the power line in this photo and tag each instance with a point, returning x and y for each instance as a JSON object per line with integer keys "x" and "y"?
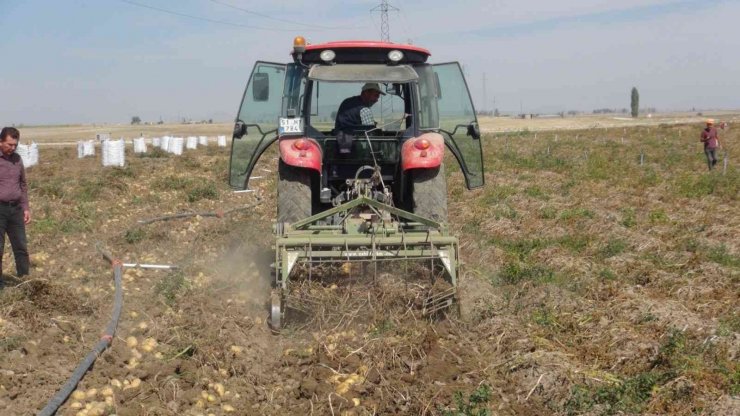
{"x": 205, "y": 19}
{"x": 273, "y": 18}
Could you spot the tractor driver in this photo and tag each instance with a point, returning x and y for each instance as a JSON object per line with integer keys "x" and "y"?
{"x": 355, "y": 114}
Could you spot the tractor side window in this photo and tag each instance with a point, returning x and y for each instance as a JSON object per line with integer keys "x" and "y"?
{"x": 295, "y": 86}
{"x": 256, "y": 123}
{"x": 428, "y": 96}
{"x": 260, "y": 107}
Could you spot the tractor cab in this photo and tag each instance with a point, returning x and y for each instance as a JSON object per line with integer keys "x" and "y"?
{"x": 423, "y": 109}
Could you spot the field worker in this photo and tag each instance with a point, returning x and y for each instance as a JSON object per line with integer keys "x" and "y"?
{"x": 355, "y": 114}
{"x": 710, "y": 138}
{"x": 14, "y": 213}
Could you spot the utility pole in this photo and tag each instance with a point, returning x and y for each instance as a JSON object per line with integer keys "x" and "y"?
{"x": 384, "y": 7}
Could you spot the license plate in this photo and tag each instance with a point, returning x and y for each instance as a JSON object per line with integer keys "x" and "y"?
{"x": 290, "y": 126}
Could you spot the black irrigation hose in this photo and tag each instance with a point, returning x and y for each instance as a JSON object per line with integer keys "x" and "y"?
{"x": 105, "y": 341}
{"x": 218, "y": 214}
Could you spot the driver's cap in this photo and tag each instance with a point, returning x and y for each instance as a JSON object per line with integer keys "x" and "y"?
{"x": 372, "y": 86}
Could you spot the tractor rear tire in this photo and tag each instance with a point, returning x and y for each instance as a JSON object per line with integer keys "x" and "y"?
{"x": 293, "y": 193}
{"x": 429, "y": 193}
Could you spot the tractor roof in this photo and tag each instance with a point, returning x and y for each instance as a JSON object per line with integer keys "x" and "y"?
{"x": 363, "y": 51}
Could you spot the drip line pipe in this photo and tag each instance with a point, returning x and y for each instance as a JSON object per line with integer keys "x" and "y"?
{"x": 105, "y": 340}
{"x": 218, "y": 213}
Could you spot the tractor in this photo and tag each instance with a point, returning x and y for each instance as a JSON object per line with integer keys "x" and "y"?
{"x": 376, "y": 193}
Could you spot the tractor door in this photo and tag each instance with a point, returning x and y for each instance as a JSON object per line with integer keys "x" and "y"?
{"x": 458, "y": 123}
{"x": 256, "y": 123}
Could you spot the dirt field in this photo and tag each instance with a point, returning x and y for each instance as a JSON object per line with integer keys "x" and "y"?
{"x": 592, "y": 284}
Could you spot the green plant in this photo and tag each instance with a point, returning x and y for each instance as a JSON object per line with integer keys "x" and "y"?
{"x": 720, "y": 255}
{"x": 382, "y": 327}
{"x": 172, "y": 183}
{"x": 728, "y": 325}
{"x": 81, "y": 219}
{"x": 545, "y": 317}
{"x": 8, "y": 344}
{"x": 612, "y": 248}
{"x": 521, "y": 249}
{"x": 569, "y": 214}
{"x": 574, "y": 242}
{"x": 134, "y": 235}
{"x": 548, "y": 213}
{"x": 498, "y": 194}
{"x": 52, "y": 188}
{"x": 628, "y": 396}
{"x": 171, "y": 286}
{"x": 473, "y": 405}
{"x": 205, "y": 191}
{"x": 607, "y": 274}
{"x": 628, "y": 218}
{"x": 118, "y": 172}
{"x": 535, "y": 192}
{"x": 658, "y": 216}
{"x": 506, "y": 211}
{"x": 516, "y": 272}
{"x": 90, "y": 189}
{"x": 44, "y": 225}
{"x": 154, "y": 153}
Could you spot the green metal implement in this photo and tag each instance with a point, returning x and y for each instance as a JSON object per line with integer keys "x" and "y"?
{"x": 364, "y": 230}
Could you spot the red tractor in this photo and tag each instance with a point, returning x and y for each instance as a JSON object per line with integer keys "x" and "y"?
{"x": 425, "y": 108}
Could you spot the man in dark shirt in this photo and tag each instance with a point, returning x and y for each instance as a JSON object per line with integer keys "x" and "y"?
{"x": 355, "y": 114}
{"x": 14, "y": 212}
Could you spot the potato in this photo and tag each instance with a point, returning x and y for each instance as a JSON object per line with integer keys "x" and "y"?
{"x": 132, "y": 342}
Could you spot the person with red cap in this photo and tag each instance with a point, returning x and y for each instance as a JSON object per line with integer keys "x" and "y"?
{"x": 710, "y": 138}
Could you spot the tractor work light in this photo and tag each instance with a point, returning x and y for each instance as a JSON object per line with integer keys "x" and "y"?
{"x": 422, "y": 144}
{"x": 395, "y": 55}
{"x": 327, "y": 55}
{"x": 299, "y": 44}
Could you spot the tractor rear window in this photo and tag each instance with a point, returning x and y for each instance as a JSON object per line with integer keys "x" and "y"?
{"x": 326, "y": 97}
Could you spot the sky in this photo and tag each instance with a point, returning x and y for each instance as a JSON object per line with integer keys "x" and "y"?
{"x": 105, "y": 61}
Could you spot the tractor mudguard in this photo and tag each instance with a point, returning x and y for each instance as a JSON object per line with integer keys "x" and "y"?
{"x": 417, "y": 154}
{"x": 302, "y": 152}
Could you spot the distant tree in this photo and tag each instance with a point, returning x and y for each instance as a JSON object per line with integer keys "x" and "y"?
{"x": 496, "y": 113}
{"x": 135, "y": 120}
{"x": 635, "y": 102}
